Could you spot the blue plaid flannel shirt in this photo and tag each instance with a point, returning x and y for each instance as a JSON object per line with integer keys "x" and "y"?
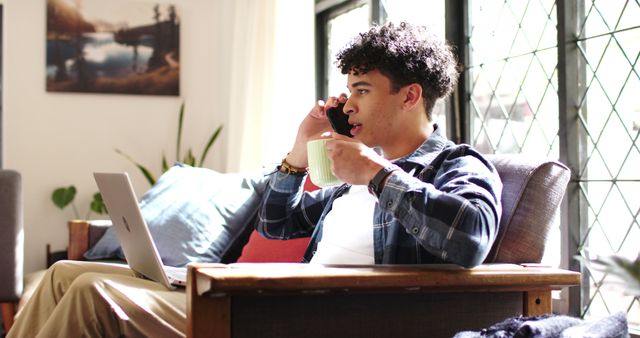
{"x": 444, "y": 207}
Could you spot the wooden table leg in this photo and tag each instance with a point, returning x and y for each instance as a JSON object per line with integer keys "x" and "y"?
{"x": 537, "y": 302}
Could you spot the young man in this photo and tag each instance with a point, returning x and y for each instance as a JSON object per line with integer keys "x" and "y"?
{"x": 430, "y": 200}
{"x": 424, "y": 200}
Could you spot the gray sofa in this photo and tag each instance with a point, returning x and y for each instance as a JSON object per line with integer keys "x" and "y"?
{"x": 533, "y": 190}
{"x": 11, "y": 242}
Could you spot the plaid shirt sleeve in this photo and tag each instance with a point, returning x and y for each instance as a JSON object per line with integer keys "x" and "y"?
{"x": 286, "y": 210}
{"x": 452, "y": 212}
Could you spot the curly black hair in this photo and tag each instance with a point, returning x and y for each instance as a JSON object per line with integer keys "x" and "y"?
{"x": 405, "y": 54}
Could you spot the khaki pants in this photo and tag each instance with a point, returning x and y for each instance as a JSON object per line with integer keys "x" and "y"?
{"x": 83, "y": 299}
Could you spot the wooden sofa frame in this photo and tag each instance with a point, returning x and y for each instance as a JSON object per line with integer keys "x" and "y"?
{"x": 354, "y": 300}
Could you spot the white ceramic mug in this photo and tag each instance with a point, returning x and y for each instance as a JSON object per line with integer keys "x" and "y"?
{"x": 320, "y": 164}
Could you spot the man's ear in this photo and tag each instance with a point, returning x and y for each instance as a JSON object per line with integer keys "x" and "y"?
{"x": 413, "y": 94}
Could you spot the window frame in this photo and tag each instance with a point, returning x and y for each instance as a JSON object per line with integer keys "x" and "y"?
{"x": 571, "y": 77}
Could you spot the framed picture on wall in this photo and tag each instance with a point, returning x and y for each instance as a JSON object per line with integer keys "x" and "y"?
{"x": 114, "y": 46}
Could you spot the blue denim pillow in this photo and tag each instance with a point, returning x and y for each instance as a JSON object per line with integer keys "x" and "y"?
{"x": 193, "y": 214}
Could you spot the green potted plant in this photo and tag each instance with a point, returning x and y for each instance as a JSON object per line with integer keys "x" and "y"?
{"x": 189, "y": 157}
{"x": 65, "y": 196}
{"x": 62, "y": 197}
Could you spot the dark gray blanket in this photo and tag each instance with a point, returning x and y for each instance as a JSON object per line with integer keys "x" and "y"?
{"x": 554, "y": 326}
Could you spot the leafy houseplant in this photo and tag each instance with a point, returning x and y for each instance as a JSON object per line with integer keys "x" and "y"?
{"x": 625, "y": 269}
{"x": 64, "y": 196}
{"x": 189, "y": 158}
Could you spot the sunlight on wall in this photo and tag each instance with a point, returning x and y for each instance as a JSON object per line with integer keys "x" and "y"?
{"x": 272, "y": 86}
{"x": 294, "y": 79}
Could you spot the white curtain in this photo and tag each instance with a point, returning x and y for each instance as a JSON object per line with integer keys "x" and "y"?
{"x": 272, "y": 79}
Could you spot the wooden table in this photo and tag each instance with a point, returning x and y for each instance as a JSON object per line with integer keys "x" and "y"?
{"x": 295, "y": 300}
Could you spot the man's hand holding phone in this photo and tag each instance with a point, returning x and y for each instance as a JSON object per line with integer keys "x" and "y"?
{"x": 313, "y": 126}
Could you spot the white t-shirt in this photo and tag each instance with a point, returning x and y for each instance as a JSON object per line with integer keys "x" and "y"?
{"x": 347, "y": 233}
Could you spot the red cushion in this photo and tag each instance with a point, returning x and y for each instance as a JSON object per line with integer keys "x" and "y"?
{"x": 260, "y": 249}
{"x": 309, "y": 186}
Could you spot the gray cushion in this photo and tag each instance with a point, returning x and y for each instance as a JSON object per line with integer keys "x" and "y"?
{"x": 532, "y": 191}
{"x": 194, "y": 214}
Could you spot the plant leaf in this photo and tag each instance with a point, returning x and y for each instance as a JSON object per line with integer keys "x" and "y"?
{"x": 147, "y": 174}
{"x": 62, "y": 197}
{"x": 97, "y": 204}
{"x": 178, "y": 141}
{"x": 165, "y": 164}
{"x": 190, "y": 159}
{"x": 212, "y": 139}
{"x": 626, "y": 270}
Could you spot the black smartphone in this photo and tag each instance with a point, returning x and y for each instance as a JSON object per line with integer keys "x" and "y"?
{"x": 339, "y": 120}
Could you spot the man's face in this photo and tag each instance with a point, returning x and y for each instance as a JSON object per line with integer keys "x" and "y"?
{"x": 373, "y": 108}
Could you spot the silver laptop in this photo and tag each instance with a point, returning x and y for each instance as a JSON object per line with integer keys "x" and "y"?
{"x": 138, "y": 246}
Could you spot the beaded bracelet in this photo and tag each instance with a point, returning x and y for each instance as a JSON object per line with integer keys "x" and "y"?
{"x": 291, "y": 170}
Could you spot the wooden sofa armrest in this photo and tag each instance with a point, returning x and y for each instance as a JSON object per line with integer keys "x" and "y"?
{"x": 375, "y": 300}
{"x": 83, "y": 235}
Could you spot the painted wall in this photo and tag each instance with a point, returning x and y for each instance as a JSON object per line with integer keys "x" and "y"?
{"x": 57, "y": 139}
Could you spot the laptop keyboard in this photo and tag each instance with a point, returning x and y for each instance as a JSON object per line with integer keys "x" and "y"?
{"x": 177, "y": 274}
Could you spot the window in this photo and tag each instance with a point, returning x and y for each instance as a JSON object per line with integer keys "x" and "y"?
{"x": 555, "y": 79}
{"x": 608, "y": 126}
{"x": 513, "y": 96}
{"x": 339, "y": 21}
{"x": 341, "y": 27}
{"x": 513, "y": 89}
{"x": 514, "y": 106}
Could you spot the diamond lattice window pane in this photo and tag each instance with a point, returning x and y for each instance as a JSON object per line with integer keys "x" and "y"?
{"x": 630, "y": 170}
{"x": 613, "y": 70}
{"x": 615, "y": 218}
{"x": 496, "y": 34}
{"x": 602, "y": 16}
{"x": 540, "y": 36}
{"x": 599, "y": 107}
{"x": 595, "y": 164}
{"x": 512, "y": 77}
{"x": 615, "y": 142}
{"x": 610, "y": 175}
{"x": 629, "y": 17}
{"x": 597, "y": 303}
{"x": 633, "y": 314}
{"x": 630, "y": 246}
{"x": 482, "y": 142}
